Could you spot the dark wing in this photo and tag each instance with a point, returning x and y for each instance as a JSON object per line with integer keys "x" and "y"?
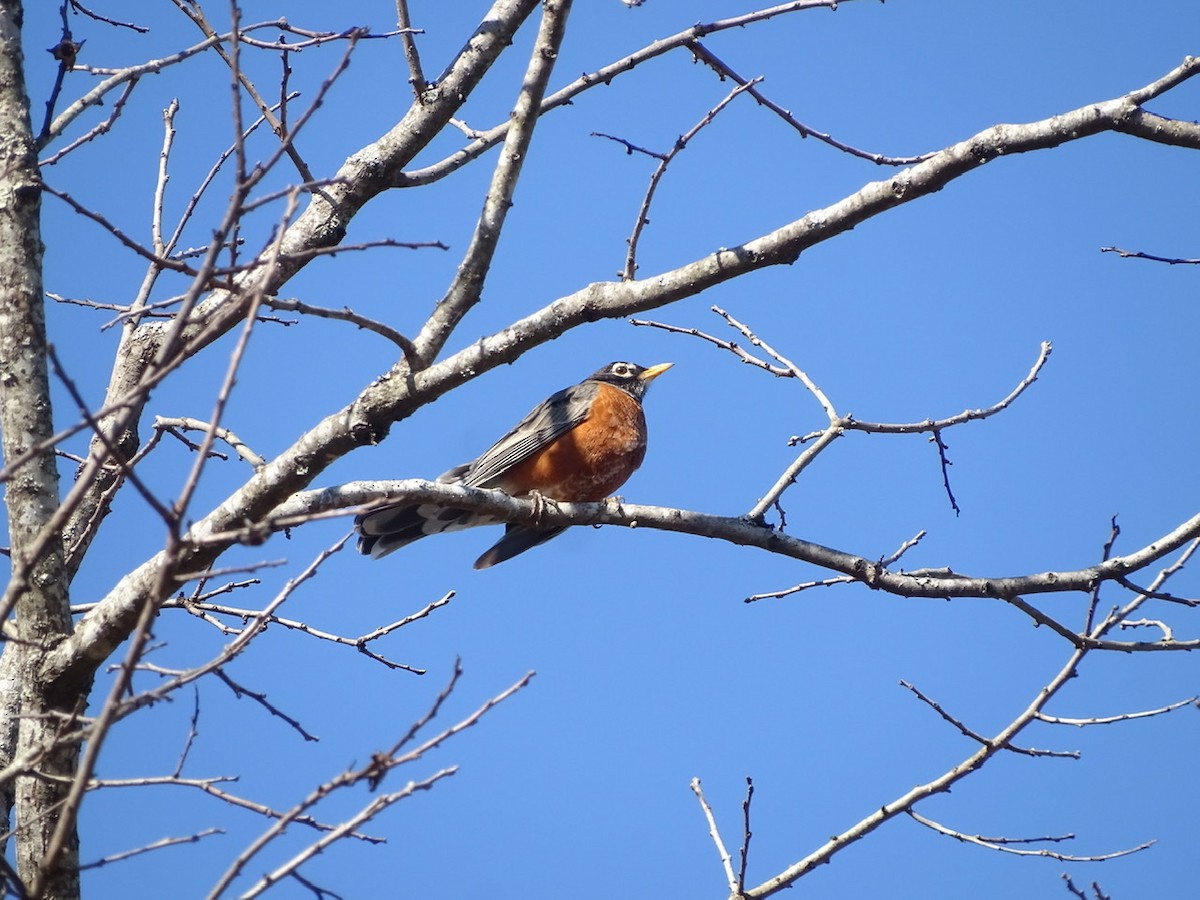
{"x": 550, "y": 419}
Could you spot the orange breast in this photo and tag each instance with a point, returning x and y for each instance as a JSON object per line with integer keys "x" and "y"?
{"x": 591, "y": 460}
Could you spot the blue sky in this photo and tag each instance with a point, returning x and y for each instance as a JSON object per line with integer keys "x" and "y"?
{"x": 650, "y": 668}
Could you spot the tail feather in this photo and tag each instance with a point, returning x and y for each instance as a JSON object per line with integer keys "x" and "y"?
{"x": 382, "y": 531}
{"x": 517, "y": 539}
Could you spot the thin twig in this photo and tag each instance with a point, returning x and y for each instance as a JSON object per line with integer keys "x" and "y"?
{"x": 140, "y": 29}
{"x": 944, "y": 462}
{"x": 715, "y": 834}
{"x": 224, "y": 434}
{"x": 157, "y": 505}
{"x": 193, "y": 732}
{"x": 1017, "y": 851}
{"x": 416, "y": 77}
{"x": 259, "y": 697}
{"x": 346, "y": 314}
{"x": 155, "y": 845}
{"x": 744, "y": 855}
{"x": 723, "y": 70}
{"x": 209, "y": 786}
{"x": 1138, "y": 254}
{"x": 372, "y": 774}
{"x": 664, "y": 160}
{"x": 1121, "y": 717}
{"x": 467, "y": 286}
{"x": 96, "y": 131}
{"x": 603, "y": 76}
{"x": 736, "y": 349}
{"x": 1114, "y": 532}
{"x": 888, "y": 560}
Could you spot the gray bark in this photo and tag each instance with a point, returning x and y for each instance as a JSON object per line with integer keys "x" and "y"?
{"x": 43, "y": 613}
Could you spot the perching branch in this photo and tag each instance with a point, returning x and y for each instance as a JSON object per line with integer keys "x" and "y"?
{"x": 734, "y": 530}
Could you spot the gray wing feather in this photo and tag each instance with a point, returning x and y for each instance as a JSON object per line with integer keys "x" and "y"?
{"x": 553, "y": 417}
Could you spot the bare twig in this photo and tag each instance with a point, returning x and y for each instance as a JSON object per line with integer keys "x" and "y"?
{"x": 346, "y": 314}
{"x": 121, "y": 77}
{"x": 888, "y": 560}
{"x": 630, "y": 149}
{"x": 713, "y": 832}
{"x": 76, "y": 5}
{"x": 1138, "y": 254}
{"x": 1121, "y": 717}
{"x": 1003, "y": 845}
{"x": 905, "y": 803}
{"x": 1168, "y": 632}
{"x": 967, "y": 415}
{"x": 155, "y": 845}
{"x": 154, "y": 503}
{"x": 744, "y": 855}
{"x": 372, "y": 774}
{"x": 736, "y": 349}
{"x": 937, "y": 708}
{"x": 944, "y": 462}
{"x": 723, "y": 70}
{"x": 664, "y": 160}
{"x": 196, "y": 14}
{"x": 240, "y": 690}
{"x": 602, "y": 76}
{"x": 975, "y": 736}
{"x": 96, "y": 131}
{"x": 1156, "y": 595}
{"x": 319, "y": 892}
{"x": 345, "y": 829}
{"x": 1097, "y": 891}
{"x": 209, "y": 786}
{"x": 467, "y": 287}
{"x": 416, "y": 77}
{"x": 163, "y": 262}
{"x": 209, "y": 611}
{"x": 193, "y": 732}
{"x": 224, "y": 434}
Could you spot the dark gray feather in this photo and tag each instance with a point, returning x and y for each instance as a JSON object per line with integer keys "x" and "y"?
{"x": 547, "y": 421}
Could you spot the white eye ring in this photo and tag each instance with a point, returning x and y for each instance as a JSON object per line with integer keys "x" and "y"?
{"x": 621, "y": 370}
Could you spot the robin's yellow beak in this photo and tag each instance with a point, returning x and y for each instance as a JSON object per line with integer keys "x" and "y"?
{"x": 654, "y": 371}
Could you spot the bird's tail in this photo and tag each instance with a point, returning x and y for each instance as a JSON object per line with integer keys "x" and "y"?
{"x": 517, "y": 539}
{"x": 382, "y": 531}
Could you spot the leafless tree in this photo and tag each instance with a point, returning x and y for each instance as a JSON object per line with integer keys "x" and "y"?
{"x": 213, "y": 300}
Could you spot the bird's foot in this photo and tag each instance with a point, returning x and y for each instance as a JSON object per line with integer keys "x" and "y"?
{"x": 616, "y": 504}
{"x": 540, "y": 502}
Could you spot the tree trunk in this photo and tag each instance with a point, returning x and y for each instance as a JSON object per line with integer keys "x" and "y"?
{"x": 31, "y": 496}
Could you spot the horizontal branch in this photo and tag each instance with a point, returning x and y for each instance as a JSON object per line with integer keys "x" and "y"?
{"x": 1002, "y": 845}
{"x": 734, "y": 530}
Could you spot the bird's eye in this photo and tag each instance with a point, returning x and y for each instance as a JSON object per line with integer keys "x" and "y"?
{"x": 621, "y": 370}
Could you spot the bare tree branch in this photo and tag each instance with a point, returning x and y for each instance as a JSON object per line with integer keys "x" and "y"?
{"x": 603, "y": 76}
{"x": 373, "y": 773}
{"x": 467, "y": 287}
{"x": 713, "y": 832}
{"x": 154, "y": 845}
{"x": 1003, "y": 845}
{"x": 664, "y": 160}
{"x": 1138, "y": 254}
{"x": 723, "y": 70}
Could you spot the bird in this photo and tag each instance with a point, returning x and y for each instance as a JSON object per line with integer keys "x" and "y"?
{"x": 579, "y": 444}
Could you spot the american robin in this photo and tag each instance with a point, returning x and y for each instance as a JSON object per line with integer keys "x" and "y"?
{"x": 580, "y": 444}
